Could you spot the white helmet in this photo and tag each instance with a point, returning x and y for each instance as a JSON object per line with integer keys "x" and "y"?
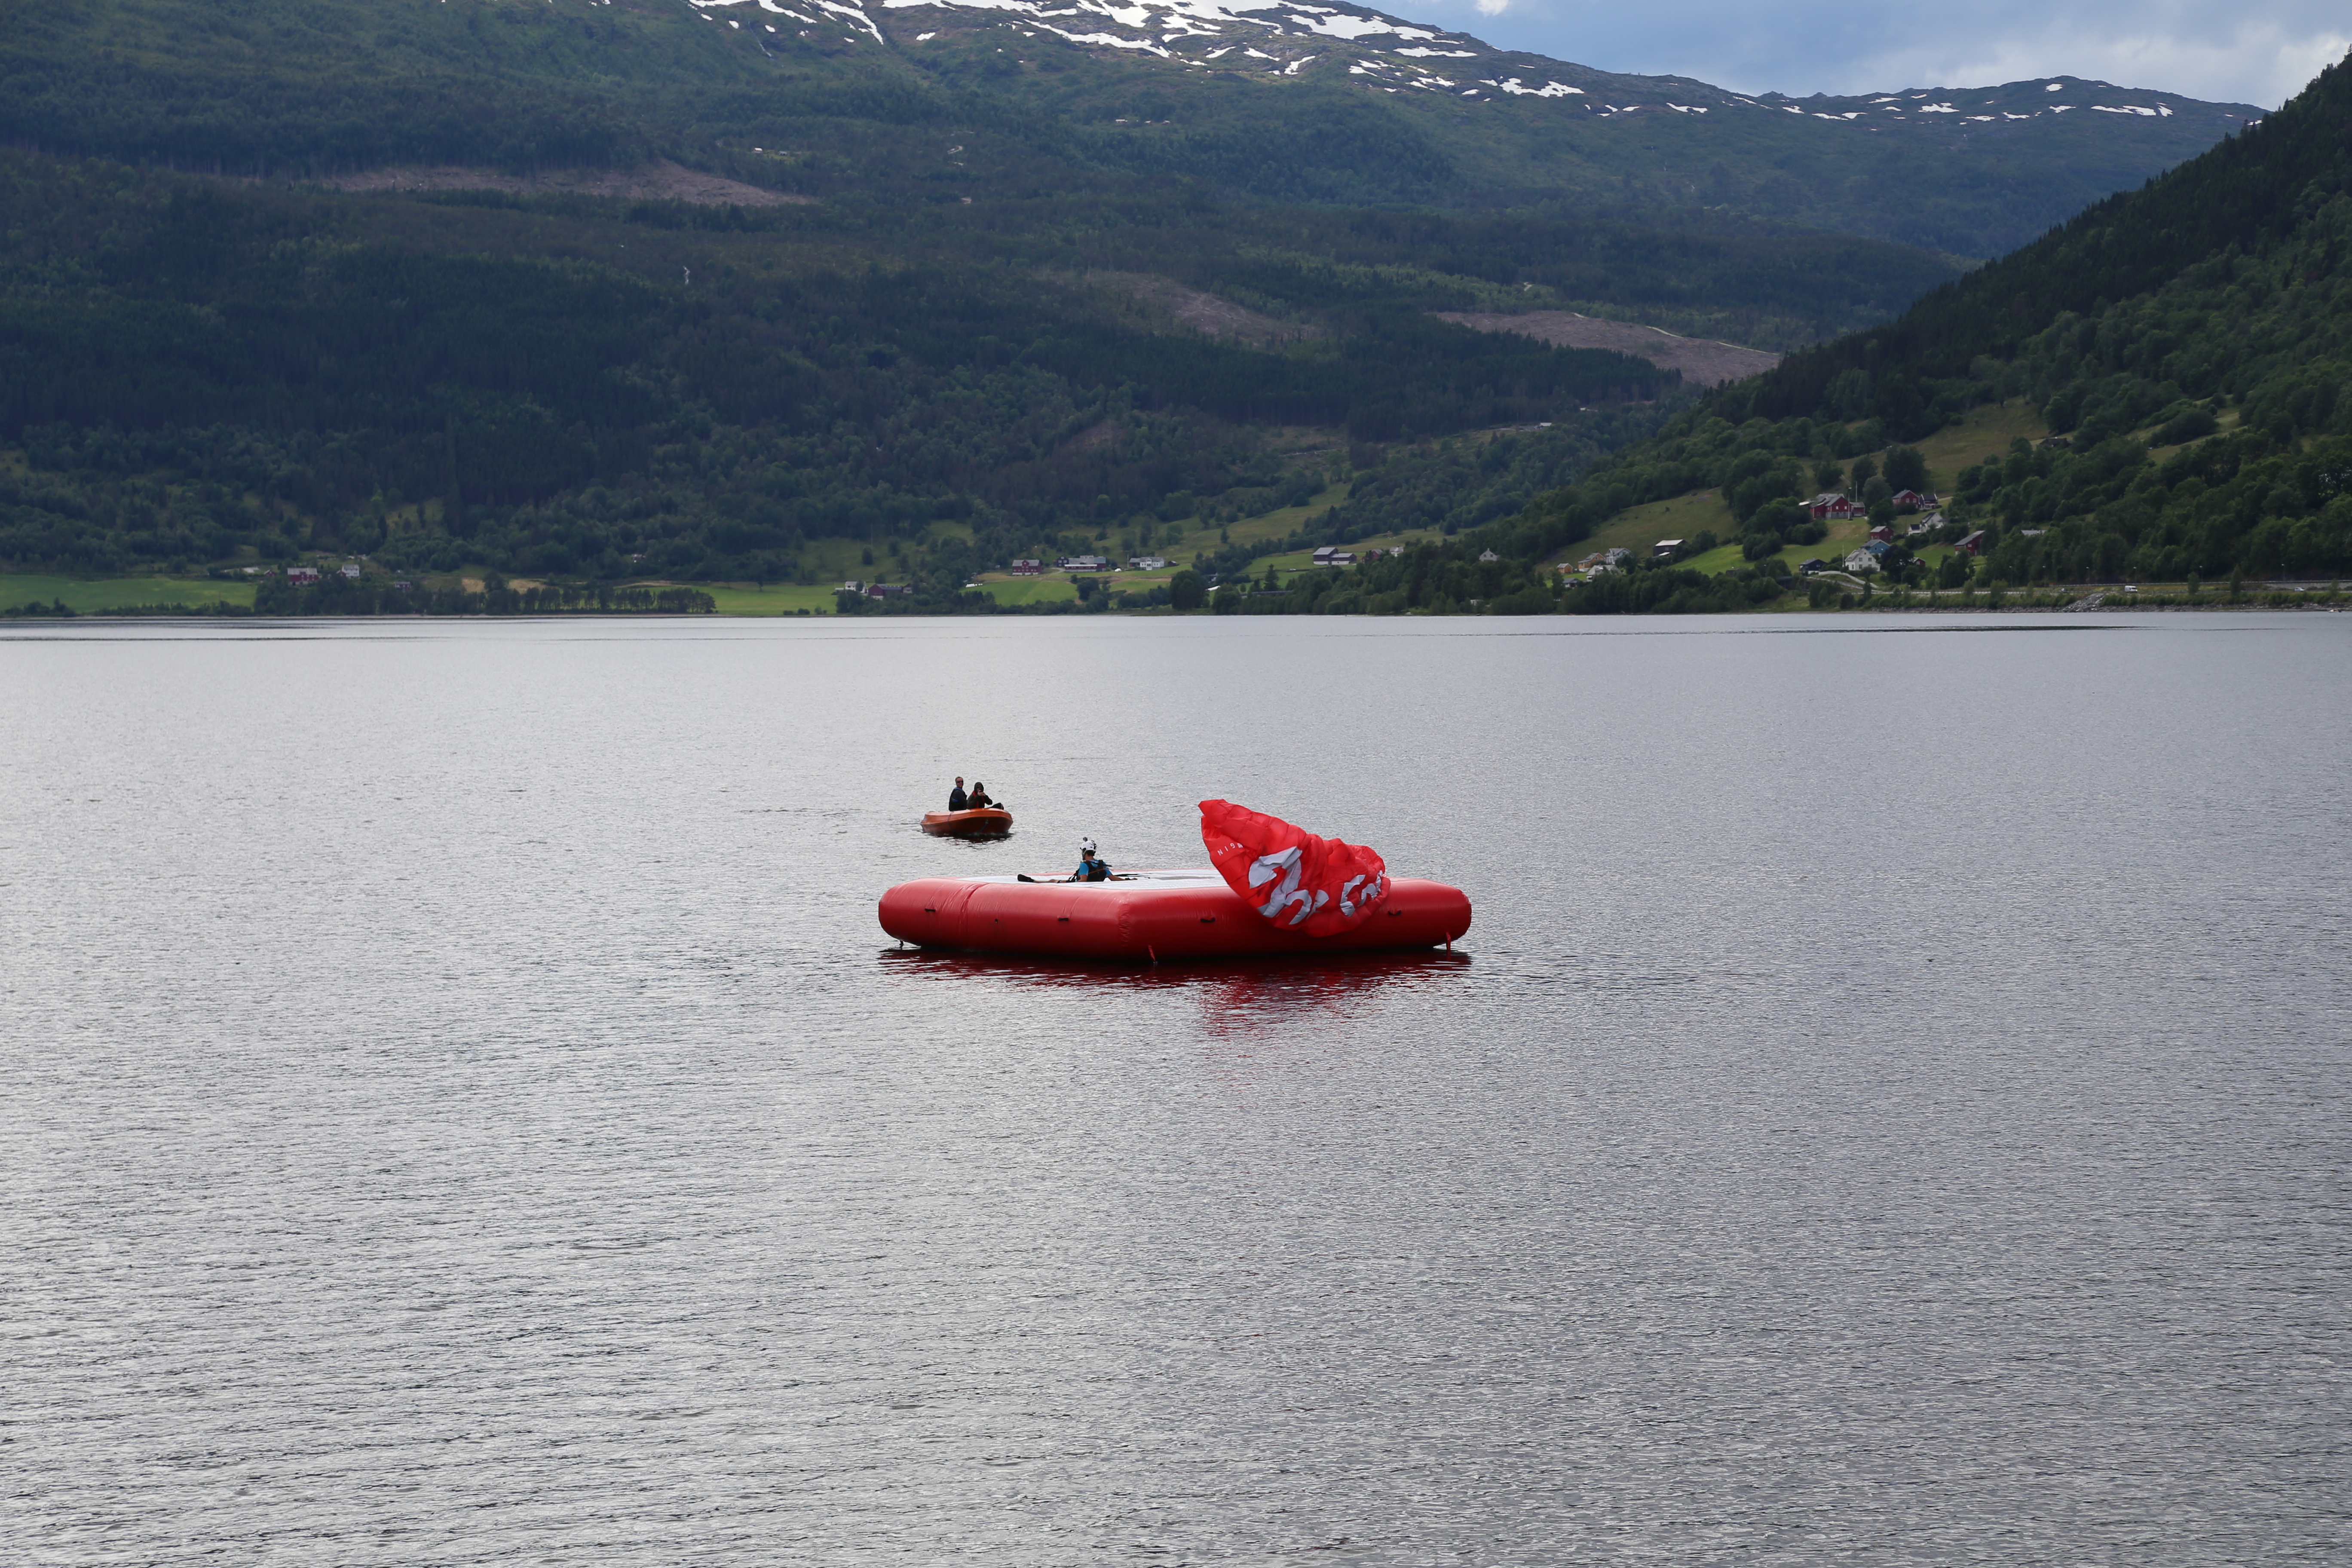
{"x": 1087, "y": 845}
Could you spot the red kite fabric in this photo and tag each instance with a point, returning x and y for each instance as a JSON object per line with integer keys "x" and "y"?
{"x": 1318, "y": 886}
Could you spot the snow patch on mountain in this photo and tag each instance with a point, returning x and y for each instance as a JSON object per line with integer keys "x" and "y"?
{"x": 1289, "y": 36}
{"x": 1339, "y": 25}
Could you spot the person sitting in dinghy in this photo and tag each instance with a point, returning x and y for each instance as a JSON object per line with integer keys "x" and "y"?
{"x": 978, "y": 800}
{"x": 956, "y": 798}
{"x": 1092, "y": 867}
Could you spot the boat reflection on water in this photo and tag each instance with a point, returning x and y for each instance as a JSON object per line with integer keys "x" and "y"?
{"x": 1235, "y": 995}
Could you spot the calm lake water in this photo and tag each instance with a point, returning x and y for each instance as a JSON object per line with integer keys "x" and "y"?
{"x": 1892, "y": 1106}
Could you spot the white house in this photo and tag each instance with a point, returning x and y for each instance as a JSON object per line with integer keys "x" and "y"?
{"x": 1861, "y": 562}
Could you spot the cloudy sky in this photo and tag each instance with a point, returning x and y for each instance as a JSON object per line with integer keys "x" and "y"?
{"x": 2245, "y": 51}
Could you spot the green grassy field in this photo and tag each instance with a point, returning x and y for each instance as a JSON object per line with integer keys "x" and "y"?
{"x": 1267, "y": 527}
{"x": 833, "y": 561}
{"x": 1027, "y": 590}
{"x": 85, "y": 595}
{"x": 776, "y": 599}
{"x": 1638, "y": 528}
{"x": 1985, "y": 433}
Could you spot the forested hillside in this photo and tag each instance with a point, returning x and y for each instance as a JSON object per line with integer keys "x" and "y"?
{"x": 2190, "y": 344}
{"x": 194, "y": 368}
{"x": 1032, "y": 293}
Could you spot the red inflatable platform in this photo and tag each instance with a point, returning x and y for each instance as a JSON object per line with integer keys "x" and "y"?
{"x": 1144, "y": 917}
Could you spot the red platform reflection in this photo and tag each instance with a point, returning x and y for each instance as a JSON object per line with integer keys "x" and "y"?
{"x": 1253, "y": 990}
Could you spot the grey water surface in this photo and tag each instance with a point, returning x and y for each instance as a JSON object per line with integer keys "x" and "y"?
{"x": 1892, "y": 1106}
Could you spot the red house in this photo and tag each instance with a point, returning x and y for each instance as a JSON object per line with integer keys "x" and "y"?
{"x": 1973, "y": 543}
{"x": 1028, "y": 568}
{"x": 1884, "y": 530}
{"x": 1828, "y": 505}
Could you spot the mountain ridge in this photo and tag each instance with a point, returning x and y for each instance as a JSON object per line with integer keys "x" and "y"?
{"x": 1337, "y": 104}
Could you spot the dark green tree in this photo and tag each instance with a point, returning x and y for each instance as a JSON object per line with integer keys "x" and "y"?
{"x": 1906, "y": 469}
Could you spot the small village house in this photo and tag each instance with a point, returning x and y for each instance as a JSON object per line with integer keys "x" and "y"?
{"x": 1831, "y": 506}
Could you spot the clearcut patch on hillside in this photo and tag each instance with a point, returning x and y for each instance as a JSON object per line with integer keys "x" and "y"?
{"x": 1205, "y": 313}
{"x": 660, "y": 181}
{"x": 1702, "y": 361}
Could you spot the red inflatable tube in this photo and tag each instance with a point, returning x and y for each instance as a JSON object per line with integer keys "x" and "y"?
{"x": 1148, "y": 916}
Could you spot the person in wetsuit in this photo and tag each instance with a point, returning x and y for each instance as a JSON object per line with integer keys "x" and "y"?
{"x": 1092, "y": 867}
{"x": 956, "y": 800}
{"x": 978, "y": 800}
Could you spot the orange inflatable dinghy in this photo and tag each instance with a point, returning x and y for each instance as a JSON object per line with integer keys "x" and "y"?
{"x": 988, "y": 822}
{"x": 1146, "y": 917}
